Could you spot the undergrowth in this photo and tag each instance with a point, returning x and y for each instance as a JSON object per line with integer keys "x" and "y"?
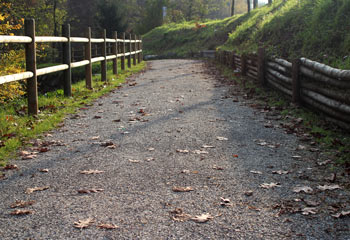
{"x": 17, "y": 128}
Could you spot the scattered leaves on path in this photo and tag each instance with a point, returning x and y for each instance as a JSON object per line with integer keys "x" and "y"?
{"x": 107, "y": 226}
{"x": 304, "y": 189}
{"x": 200, "y": 152}
{"x": 179, "y": 215}
{"x": 280, "y": 172}
{"x": 218, "y": 168}
{"x": 83, "y": 223}
{"x": 150, "y": 159}
{"x": 92, "y": 190}
{"x": 22, "y": 204}
{"x": 248, "y": 193}
{"x": 89, "y": 172}
{"x": 341, "y": 214}
{"x": 95, "y": 138}
{"x": 182, "y": 189}
{"x": 269, "y": 185}
{"x": 202, "y": 218}
{"x": 11, "y": 167}
{"x": 221, "y": 139}
{"x": 31, "y": 190}
{"x": 43, "y": 170}
{"x": 225, "y": 202}
{"x": 182, "y": 151}
{"x": 329, "y": 187}
{"x": 21, "y": 212}
{"x": 309, "y": 211}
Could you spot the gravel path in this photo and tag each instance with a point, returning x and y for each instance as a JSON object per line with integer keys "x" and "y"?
{"x": 139, "y": 136}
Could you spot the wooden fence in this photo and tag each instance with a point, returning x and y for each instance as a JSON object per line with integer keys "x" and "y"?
{"x": 305, "y": 82}
{"x": 130, "y": 49}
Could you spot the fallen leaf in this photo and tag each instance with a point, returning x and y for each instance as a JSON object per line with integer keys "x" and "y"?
{"x": 329, "y": 187}
{"x": 182, "y": 151}
{"x": 218, "y": 168}
{"x": 22, "y": 204}
{"x": 182, "y": 189}
{"x": 296, "y": 157}
{"x": 179, "y": 215}
{"x": 304, "y": 189}
{"x": 331, "y": 178}
{"x": 107, "y": 144}
{"x": 225, "y": 202}
{"x": 341, "y": 214}
{"x": 200, "y": 152}
{"x": 44, "y": 170}
{"x": 21, "y": 212}
{"x": 221, "y": 139}
{"x": 235, "y": 155}
{"x": 89, "y": 172}
{"x": 107, "y": 226}
{"x": 97, "y": 117}
{"x": 248, "y": 193}
{"x": 83, "y": 223}
{"x": 10, "y": 167}
{"x": 29, "y": 157}
{"x": 43, "y": 149}
{"x": 308, "y": 211}
{"x": 207, "y": 146}
{"x": 185, "y": 171}
{"x": 134, "y": 161}
{"x": 324, "y": 162}
{"x": 269, "y": 185}
{"x": 31, "y": 190}
{"x": 280, "y": 172}
{"x": 150, "y": 159}
{"x": 95, "y": 138}
{"x": 92, "y": 190}
{"x": 254, "y": 208}
{"x": 256, "y": 172}
{"x": 202, "y": 218}
{"x": 151, "y": 149}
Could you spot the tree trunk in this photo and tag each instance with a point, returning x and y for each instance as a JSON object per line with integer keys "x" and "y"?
{"x": 270, "y": 2}
{"x": 255, "y": 4}
{"x": 248, "y": 3}
{"x": 233, "y": 8}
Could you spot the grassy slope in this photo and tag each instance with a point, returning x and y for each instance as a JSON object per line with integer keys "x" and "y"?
{"x": 317, "y": 29}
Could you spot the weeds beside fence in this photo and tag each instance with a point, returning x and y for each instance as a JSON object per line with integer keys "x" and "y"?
{"x": 306, "y": 82}
{"x": 123, "y": 48}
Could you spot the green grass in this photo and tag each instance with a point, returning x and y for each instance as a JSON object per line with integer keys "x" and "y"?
{"x": 17, "y": 128}
{"x": 316, "y": 29}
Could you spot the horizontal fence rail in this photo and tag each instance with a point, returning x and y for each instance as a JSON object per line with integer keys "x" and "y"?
{"x": 120, "y": 49}
{"x": 306, "y": 82}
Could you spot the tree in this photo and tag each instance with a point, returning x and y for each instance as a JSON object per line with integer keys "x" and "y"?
{"x": 255, "y": 4}
{"x": 248, "y": 3}
{"x": 233, "y": 8}
{"x": 270, "y": 1}
{"x": 110, "y": 16}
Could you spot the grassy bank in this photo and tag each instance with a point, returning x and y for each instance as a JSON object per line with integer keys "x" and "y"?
{"x": 288, "y": 29}
{"x": 16, "y": 128}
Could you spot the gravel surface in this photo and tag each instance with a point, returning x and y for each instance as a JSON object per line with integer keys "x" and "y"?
{"x": 139, "y": 136}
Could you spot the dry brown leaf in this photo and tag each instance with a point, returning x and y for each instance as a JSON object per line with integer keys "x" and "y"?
{"x": 308, "y": 211}
{"x": 280, "y": 172}
{"x": 255, "y": 172}
{"x": 182, "y": 189}
{"x": 22, "y": 204}
{"x": 341, "y": 214}
{"x": 200, "y": 152}
{"x": 269, "y": 185}
{"x": 218, "y": 168}
{"x": 185, "y": 171}
{"x": 329, "y": 187}
{"x": 304, "y": 189}
{"x": 221, "y": 139}
{"x": 107, "y": 226}
{"x": 134, "y": 161}
{"x": 28, "y": 157}
{"x": 31, "y": 190}
{"x": 44, "y": 170}
{"x": 179, "y": 216}
{"x": 182, "y": 151}
{"x": 225, "y": 202}
{"x": 150, "y": 159}
{"x": 92, "y": 190}
{"x": 202, "y": 218}
{"x": 151, "y": 149}
{"x": 83, "y": 223}
{"x": 248, "y": 193}
{"x": 89, "y": 172}
{"x": 95, "y": 138}
{"x": 10, "y": 167}
{"x": 21, "y": 212}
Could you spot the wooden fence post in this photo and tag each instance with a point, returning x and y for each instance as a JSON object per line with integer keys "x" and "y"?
{"x": 233, "y": 63}
{"x": 244, "y": 65}
{"x": 134, "y": 49}
{"x": 129, "y": 50}
{"x": 88, "y": 54}
{"x": 32, "y": 85}
{"x": 138, "y": 49}
{"x": 104, "y": 54}
{"x": 115, "y": 52}
{"x": 141, "y": 47}
{"x": 67, "y": 59}
{"x": 296, "y": 81}
{"x": 261, "y": 66}
{"x": 123, "y": 51}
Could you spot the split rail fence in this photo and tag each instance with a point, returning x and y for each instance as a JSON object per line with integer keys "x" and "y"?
{"x": 130, "y": 49}
{"x": 306, "y": 82}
